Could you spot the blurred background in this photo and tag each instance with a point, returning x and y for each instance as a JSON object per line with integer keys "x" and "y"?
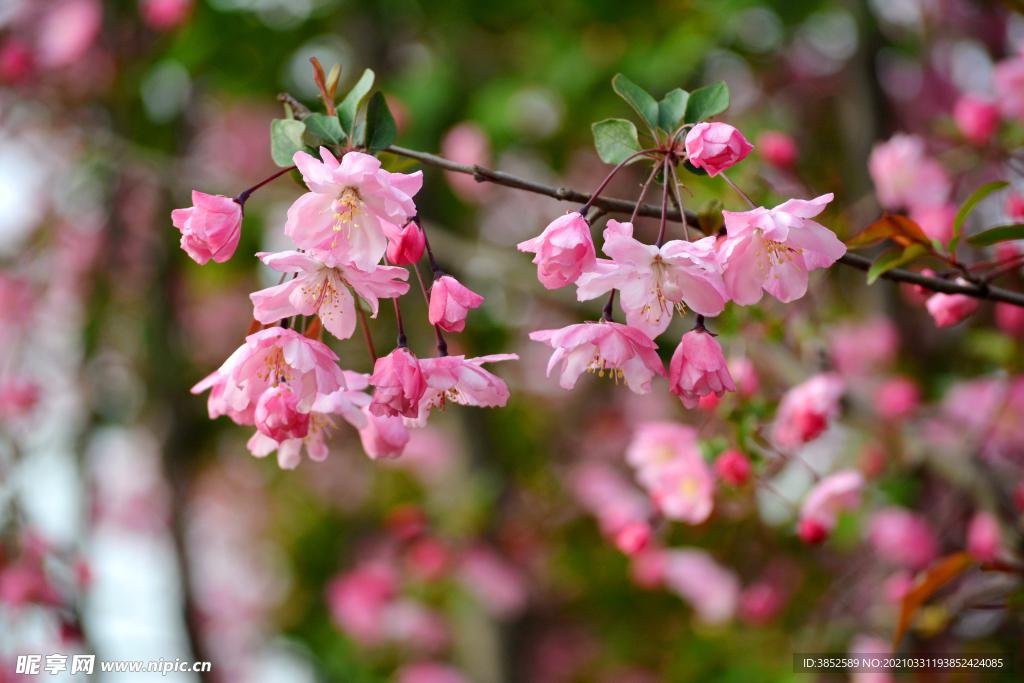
{"x": 134, "y": 527}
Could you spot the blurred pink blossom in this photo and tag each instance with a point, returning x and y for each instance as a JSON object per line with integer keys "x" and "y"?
{"x": 761, "y": 602}
{"x": 896, "y": 587}
{"x": 656, "y": 444}
{"x": 609, "y": 497}
{"x": 698, "y": 368}
{"x": 685, "y": 490}
{"x": 897, "y": 398}
{"x": 467, "y": 143}
{"x": 733, "y": 466}
{"x": 903, "y": 537}
{"x": 716, "y": 147}
{"x": 1014, "y": 206}
{"x": 820, "y": 510}
{"x": 744, "y": 375}
{"x": 984, "y": 537}
{"x": 633, "y": 538}
{"x": 1008, "y": 78}
{"x": 935, "y": 220}
{"x": 165, "y": 15}
{"x": 712, "y": 590}
{"x": 383, "y": 436}
{"x": 905, "y": 176}
{"x": 976, "y": 117}
{"x": 777, "y": 148}
{"x": 647, "y": 569}
{"x": 864, "y": 347}
{"x": 950, "y": 309}
{"x": 18, "y": 396}
{"x": 67, "y": 31}
{"x": 1010, "y": 319}
{"x": 806, "y": 410}
{"x": 499, "y": 585}
{"x": 358, "y": 598}
{"x": 427, "y": 559}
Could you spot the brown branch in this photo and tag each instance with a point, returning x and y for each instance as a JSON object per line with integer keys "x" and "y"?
{"x": 567, "y": 194}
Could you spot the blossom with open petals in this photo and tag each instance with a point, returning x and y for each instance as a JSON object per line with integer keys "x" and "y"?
{"x": 806, "y": 409}
{"x": 819, "y": 513}
{"x": 399, "y": 384}
{"x": 384, "y": 436}
{"x": 684, "y": 490}
{"x": 322, "y": 288}
{"x": 654, "y": 282}
{"x": 716, "y": 147}
{"x": 450, "y": 302}
{"x": 623, "y": 351}
{"x": 460, "y": 380}
{"x": 905, "y": 176}
{"x": 348, "y": 203}
{"x": 564, "y": 251}
{"x": 210, "y": 228}
{"x": 775, "y": 249}
{"x": 655, "y": 444}
{"x": 698, "y": 368}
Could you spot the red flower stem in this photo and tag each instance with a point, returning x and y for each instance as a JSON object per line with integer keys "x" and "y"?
{"x": 679, "y": 198}
{"x": 442, "y": 346}
{"x": 597, "y": 193}
{"x": 664, "y": 203}
{"x": 741, "y": 192}
{"x": 366, "y": 334}
{"x": 244, "y": 196}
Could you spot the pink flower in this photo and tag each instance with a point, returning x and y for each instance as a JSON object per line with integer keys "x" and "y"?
{"x": 733, "y": 466}
{"x": 429, "y": 672}
{"x": 684, "y": 490}
{"x": 25, "y": 582}
{"x": 450, "y": 302}
{"x": 976, "y": 117}
{"x": 273, "y": 357}
{"x": 467, "y": 143}
{"x": 984, "y": 538}
{"x": 633, "y": 538}
{"x": 904, "y": 176}
{"x": 647, "y": 568}
{"x": 776, "y": 249}
{"x": 712, "y": 590}
{"x": 405, "y": 246}
{"x": 500, "y": 586}
{"x": 806, "y": 409}
{"x": 277, "y": 414}
{"x": 615, "y": 503}
{"x": 698, "y": 368}
{"x": 18, "y": 396}
{"x": 716, "y": 147}
{"x": 210, "y": 228}
{"x": 897, "y": 398}
{"x": 323, "y": 288}
{"x": 761, "y": 602}
{"x": 836, "y": 493}
{"x": 655, "y": 445}
{"x": 427, "y": 559}
{"x": 1015, "y": 206}
{"x": 15, "y": 60}
{"x": 595, "y": 347}
{"x": 903, "y": 537}
{"x": 408, "y": 622}
{"x": 935, "y": 220}
{"x": 68, "y": 30}
{"x": 655, "y": 282}
{"x": 165, "y": 15}
{"x": 1008, "y": 78}
{"x": 777, "y": 148}
{"x": 383, "y": 437}
{"x": 462, "y": 381}
{"x": 357, "y": 601}
{"x": 741, "y": 369}
{"x": 950, "y": 309}
{"x": 348, "y": 203}
{"x": 864, "y": 347}
{"x": 1010, "y": 319}
{"x": 399, "y": 384}
{"x": 564, "y": 251}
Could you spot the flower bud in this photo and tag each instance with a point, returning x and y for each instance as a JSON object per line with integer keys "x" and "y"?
{"x": 406, "y": 246}
{"x": 777, "y": 148}
{"x": 450, "y": 302}
{"x": 716, "y": 147}
{"x": 564, "y": 251}
{"x": 976, "y": 118}
{"x": 733, "y": 467}
{"x": 698, "y": 369}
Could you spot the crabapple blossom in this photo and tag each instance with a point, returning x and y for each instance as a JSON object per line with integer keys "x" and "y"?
{"x": 806, "y": 409}
{"x": 741, "y": 369}
{"x": 405, "y": 245}
{"x": 776, "y": 249}
{"x": 935, "y": 220}
{"x": 761, "y": 602}
{"x": 733, "y": 466}
{"x": 684, "y": 489}
{"x": 595, "y": 347}
{"x": 654, "y": 281}
{"x": 655, "y": 445}
{"x": 500, "y": 586}
{"x": 210, "y": 228}
{"x": 1010, "y": 319}
{"x": 716, "y": 147}
{"x": 777, "y": 148}
{"x": 976, "y": 117}
{"x": 268, "y": 358}
{"x": 984, "y": 538}
{"x": 383, "y": 436}
{"x": 357, "y": 600}
{"x": 860, "y": 348}
{"x": 633, "y": 538}
{"x": 897, "y": 398}
{"x": 820, "y": 510}
{"x": 698, "y": 368}
{"x": 399, "y": 384}
{"x": 712, "y": 590}
{"x": 450, "y": 302}
{"x": 903, "y": 537}
{"x": 165, "y": 15}
{"x": 322, "y": 288}
{"x": 950, "y": 309}
{"x": 68, "y": 29}
{"x": 905, "y": 176}
{"x": 462, "y": 381}
{"x": 564, "y": 251}
{"x": 277, "y": 415}
{"x": 1008, "y": 79}
{"x": 347, "y": 206}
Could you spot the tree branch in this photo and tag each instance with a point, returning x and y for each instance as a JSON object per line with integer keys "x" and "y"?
{"x": 567, "y": 194}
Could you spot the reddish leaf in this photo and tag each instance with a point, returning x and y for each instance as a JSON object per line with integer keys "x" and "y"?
{"x": 898, "y": 228}
{"x": 315, "y": 330}
{"x": 937, "y": 577}
{"x": 254, "y": 327}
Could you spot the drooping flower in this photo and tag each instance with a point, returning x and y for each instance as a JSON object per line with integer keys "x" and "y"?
{"x": 564, "y": 251}
{"x": 460, "y": 380}
{"x": 348, "y": 203}
{"x": 277, "y": 416}
{"x": 777, "y": 148}
{"x": 733, "y": 466}
{"x": 322, "y": 288}
{"x": 716, "y": 147}
{"x": 776, "y": 249}
{"x": 984, "y": 538}
{"x": 712, "y": 590}
{"x": 903, "y": 537}
{"x": 268, "y": 358}
{"x": 819, "y": 513}
{"x": 399, "y": 384}
{"x": 383, "y": 436}
{"x": 450, "y": 302}
{"x": 976, "y": 117}
{"x": 623, "y": 351}
{"x": 806, "y": 409}
{"x": 905, "y": 176}
{"x": 653, "y": 282}
{"x": 698, "y": 368}
{"x": 950, "y": 309}
{"x": 210, "y": 228}
{"x": 405, "y": 245}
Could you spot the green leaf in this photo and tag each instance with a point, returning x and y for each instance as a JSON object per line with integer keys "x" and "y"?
{"x": 893, "y": 258}
{"x": 327, "y": 128}
{"x": 672, "y": 109}
{"x": 349, "y": 107}
{"x": 615, "y": 140}
{"x": 286, "y": 140}
{"x": 693, "y": 169}
{"x": 972, "y": 201}
{"x": 638, "y": 98}
{"x": 1004, "y": 233}
{"x": 706, "y": 102}
{"x": 381, "y": 130}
